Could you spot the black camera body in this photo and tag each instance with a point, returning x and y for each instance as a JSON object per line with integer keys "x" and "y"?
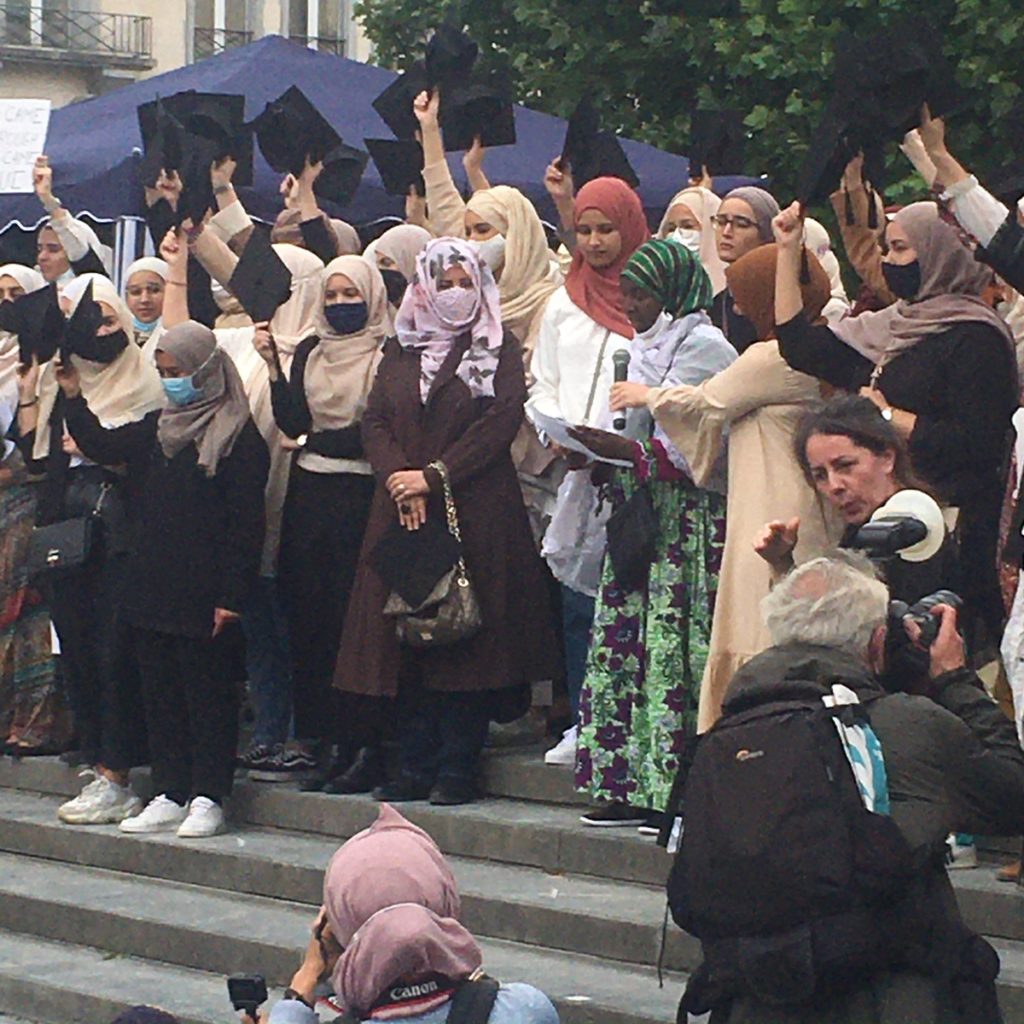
{"x": 921, "y": 613}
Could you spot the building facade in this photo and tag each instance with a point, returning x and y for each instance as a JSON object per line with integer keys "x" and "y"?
{"x": 67, "y": 50}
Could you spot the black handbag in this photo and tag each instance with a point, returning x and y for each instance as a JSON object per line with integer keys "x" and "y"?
{"x": 633, "y": 539}
{"x": 67, "y": 545}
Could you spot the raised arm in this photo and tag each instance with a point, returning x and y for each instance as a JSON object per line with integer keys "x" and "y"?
{"x": 174, "y": 251}
{"x": 445, "y": 206}
{"x": 473, "y": 163}
{"x": 558, "y": 181}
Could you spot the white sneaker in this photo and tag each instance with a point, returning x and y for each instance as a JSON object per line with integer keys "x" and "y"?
{"x": 960, "y": 855}
{"x": 565, "y": 750}
{"x": 101, "y": 802}
{"x": 205, "y": 818}
{"x": 161, "y": 815}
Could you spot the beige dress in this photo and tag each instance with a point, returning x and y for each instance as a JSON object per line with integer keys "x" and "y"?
{"x": 756, "y": 403}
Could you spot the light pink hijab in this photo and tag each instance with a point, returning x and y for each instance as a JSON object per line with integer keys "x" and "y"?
{"x": 952, "y": 281}
{"x": 392, "y": 904}
{"x": 420, "y": 326}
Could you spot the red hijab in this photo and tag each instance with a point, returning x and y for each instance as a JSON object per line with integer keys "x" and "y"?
{"x": 596, "y": 292}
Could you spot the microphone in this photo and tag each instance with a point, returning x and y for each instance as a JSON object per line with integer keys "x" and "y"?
{"x": 620, "y": 360}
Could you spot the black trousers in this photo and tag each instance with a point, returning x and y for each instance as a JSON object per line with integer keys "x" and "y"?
{"x": 100, "y": 674}
{"x": 441, "y": 735}
{"x": 192, "y": 713}
{"x": 325, "y": 517}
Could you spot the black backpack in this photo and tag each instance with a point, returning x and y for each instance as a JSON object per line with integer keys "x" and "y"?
{"x": 781, "y": 870}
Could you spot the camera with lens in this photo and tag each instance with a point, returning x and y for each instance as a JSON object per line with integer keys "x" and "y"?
{"x": 920, "y": 612}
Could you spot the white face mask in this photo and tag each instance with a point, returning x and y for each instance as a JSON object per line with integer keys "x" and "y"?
{"x": 492, "y": 252}
{"x": 688, "y": 237}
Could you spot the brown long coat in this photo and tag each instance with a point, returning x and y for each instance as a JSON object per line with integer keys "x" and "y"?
{"x": 472, "y": 437}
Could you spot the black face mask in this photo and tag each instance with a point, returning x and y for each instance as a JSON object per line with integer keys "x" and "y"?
{"x": 395, "y": 283}
{"x": 904, "y": 282}
{"x": 103, "y": 349}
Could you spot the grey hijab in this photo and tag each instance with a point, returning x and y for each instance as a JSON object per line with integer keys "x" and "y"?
{"x": 764, "y": 206}
{"x": 215, "y": 419}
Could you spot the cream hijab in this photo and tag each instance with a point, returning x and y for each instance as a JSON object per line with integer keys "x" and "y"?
{"x": 402, "y": 243}
{"x": 704, "y": 204}
{"x": 120, "y": 392}
{"x": 340, "y": 370}
{"x": 529, "y": 276}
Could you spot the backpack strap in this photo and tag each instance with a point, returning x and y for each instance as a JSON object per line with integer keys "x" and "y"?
{"x": 473, "y": 1002}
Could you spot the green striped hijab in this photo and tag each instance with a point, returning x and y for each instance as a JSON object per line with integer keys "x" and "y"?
{"x": 671, "y": 273}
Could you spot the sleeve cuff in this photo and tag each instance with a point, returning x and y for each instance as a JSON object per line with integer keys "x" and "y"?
{"x": 434, "y": 481}
{"x": 976, "y": 209}
{"x": 75, "y": 247}
{"x": 230, "y": 221}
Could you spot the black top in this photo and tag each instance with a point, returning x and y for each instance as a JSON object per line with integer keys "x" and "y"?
{"x": 196, "y": 540}
{"x": 738, "y": 330}
{"x": 1005, "y": 253}
{"x": 291, "y": 411}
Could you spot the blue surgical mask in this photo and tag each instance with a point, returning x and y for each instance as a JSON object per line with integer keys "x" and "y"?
{"x": 347, "y": 317}
{"x": 181, "y": 390}
{"x": 144, "y": 328}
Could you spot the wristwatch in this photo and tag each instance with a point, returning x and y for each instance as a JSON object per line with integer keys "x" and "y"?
{"x": 887, "y": 414}
{"x": 290, "y": 993}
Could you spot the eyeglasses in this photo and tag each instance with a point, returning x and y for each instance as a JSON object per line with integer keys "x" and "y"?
{"x": 721, "y": 220}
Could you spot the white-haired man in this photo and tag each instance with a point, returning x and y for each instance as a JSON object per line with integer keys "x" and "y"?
{"x": 951, "y": 763}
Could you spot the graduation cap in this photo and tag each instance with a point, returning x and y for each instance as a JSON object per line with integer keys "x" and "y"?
{"x": 261, "y": 282}
{"x": 591, "y": 153}
{"x": 411, "y": 562}
{"x": 717, "y": 141}
{"x": 450, "y": 55}
{"x": 483, "y": 108}
{"x": 37, "y": 320}
{"x": 399, "y": 163}
{"x": 291, "y": 131}
{"x": 162, "y": 141}
{"x": 394, "y": 104}
{"x": 81, "y": 327}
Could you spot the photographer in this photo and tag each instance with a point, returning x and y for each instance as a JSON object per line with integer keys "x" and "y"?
{"x": 810, "y": 935}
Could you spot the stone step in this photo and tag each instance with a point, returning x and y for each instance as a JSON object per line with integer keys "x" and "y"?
{"x": 571, "y": 913}
{"x": 218, "y": 933}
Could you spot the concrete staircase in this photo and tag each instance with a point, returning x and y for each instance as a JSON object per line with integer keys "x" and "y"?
{"x": 92, "y": 920}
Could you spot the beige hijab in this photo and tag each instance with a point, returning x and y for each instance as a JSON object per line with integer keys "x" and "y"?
{"x": 120, "y": 392}
{"x": 287, "y": 231}
{"x": 704, "y": 204}
{"x": 340, "y": 370}
{"x": 529, "y": 275}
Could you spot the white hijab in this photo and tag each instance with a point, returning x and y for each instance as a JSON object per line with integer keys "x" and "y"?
{"x": 704, "y": 204}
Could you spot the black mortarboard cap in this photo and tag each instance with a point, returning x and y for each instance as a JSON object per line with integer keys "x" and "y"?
{"x": 162, "y": 141}
{"x": 197, "y": 189}
{"x": 394, "y": 104}
{"x": 717, "y": 141}
{"x": 81, "y": 327}
{"x": 450, "y": 56}
{"x": 399, "y": 163}
{"x": 826, "y": 159}
{"x": 411, "y": 562}
{"x": 591, "y": 153}
{"x": 261, "y": 281}
{"x": 37, "y": 320}
{"x": 480, "y": 108}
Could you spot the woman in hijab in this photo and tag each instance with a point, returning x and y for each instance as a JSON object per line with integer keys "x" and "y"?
{"x": 389, "y": 940}
{"x": 85, "y": 602}
{"x": 743, "y": 222}
{"x": 584, "y": 325}
{"x": 145, "y": 283}
{"x": 652, "y": 629}
{"x": 817, "y": 240}
{"x": 394, "y": 255}
{"x": 328, "y": 502}
{"x": 197, "y": 469}
{"x": 265, "y": 624}
{"x": 940, "y": 364}
{"x": 689, "y": 220}
{"x": 448, "y": 399}
{"x": 757, "y": 401}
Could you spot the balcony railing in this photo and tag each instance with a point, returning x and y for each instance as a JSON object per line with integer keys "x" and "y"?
{"x": 325, "y": 44}
{"x": 85, "y": 32}
{"x": 208, "y": 42}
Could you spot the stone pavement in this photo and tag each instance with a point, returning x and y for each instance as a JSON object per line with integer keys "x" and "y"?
{"x": 92, "y": 920}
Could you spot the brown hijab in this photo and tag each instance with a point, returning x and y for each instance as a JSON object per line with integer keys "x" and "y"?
{"x": 952, "y": 281}
{"x": 751, "y": 280}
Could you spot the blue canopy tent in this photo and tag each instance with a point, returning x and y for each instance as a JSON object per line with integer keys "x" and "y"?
{"x": 94, "y": 146}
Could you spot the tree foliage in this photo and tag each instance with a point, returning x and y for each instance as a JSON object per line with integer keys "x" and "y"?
{"x": 648, "y": 66}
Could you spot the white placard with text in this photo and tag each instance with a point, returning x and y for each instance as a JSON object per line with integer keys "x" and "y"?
{"x": 23, "y": 125}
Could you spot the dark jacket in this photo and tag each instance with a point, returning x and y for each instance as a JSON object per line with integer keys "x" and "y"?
{"x": 472, "y": 437}
{"x": 196, "y": 541}
{"x": 962, "y": 387}
{"x": 954, "y": 765}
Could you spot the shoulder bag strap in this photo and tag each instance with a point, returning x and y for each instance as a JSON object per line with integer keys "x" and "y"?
{"x": 452, "y": 516}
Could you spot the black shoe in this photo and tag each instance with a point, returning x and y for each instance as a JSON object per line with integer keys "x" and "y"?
{"x": 284, "y": 765}
{"x": 365, "y": 772}
{"x": 402, "y": 789}
{"x": 451, "y": 792}
{"x": 616, "y": 815}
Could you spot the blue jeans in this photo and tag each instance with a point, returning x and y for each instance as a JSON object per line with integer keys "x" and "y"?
{"x": 268, "y": 663}
{"x": 577, "y": 620}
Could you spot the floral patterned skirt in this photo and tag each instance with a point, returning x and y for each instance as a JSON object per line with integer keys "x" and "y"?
{"x": 647, "y": 652}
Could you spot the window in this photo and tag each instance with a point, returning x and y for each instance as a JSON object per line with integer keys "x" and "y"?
{"x": 319, "y": 24}
{"x": 219, "y": 25}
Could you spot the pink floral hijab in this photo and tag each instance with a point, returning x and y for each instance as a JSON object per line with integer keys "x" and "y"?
{"x": 422, "y": 325}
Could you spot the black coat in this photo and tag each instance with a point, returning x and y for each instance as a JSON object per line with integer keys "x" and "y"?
{"x": 196, "y": 540}
{"x": 1005, "y": 253}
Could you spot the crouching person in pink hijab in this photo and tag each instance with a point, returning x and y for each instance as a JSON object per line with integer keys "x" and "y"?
{"x": 389, "y": 941}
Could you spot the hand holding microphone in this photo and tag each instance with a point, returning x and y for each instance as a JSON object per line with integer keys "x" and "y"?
{"x": 620, "y": 360}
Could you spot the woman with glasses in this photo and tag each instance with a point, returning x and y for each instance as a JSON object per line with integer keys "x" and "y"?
{"x": 742, "y": 224}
